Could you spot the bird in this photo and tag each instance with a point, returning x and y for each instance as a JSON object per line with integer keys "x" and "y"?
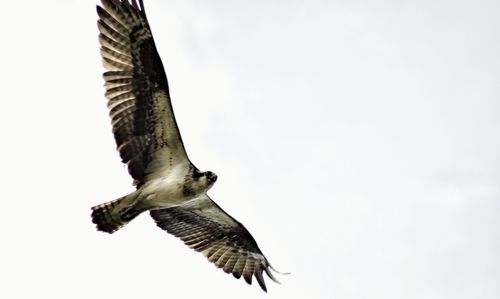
{"x": 168, "y": 185}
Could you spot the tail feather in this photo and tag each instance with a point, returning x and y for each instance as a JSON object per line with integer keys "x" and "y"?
{"x": 109, "y": 219}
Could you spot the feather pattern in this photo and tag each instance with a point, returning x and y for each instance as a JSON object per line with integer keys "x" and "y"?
{"x": 203, "y": 226}
{"x": 136, "y": 88}
{"x": 149, "y": 142}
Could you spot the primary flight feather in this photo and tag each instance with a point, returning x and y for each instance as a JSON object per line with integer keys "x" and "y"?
{"x": 168, "y": 185}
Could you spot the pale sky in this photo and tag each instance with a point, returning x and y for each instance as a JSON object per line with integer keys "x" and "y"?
{"x": 358, "y": 141}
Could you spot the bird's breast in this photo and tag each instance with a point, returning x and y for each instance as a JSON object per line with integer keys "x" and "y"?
{"x": 168, "y": 191}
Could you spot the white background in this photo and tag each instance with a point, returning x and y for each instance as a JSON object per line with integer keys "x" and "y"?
{"x": 358, "y": 141}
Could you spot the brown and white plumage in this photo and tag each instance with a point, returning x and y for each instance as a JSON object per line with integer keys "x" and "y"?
{"x": 136, "y": 87}
{"x": 206, "y": 228}
{"x": 149, "y": 142}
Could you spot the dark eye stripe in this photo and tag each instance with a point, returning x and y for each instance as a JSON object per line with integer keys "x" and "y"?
{"x": 197, "y": 174}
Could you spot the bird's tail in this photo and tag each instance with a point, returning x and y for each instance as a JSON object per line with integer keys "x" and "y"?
{"x": 111, "y": 216}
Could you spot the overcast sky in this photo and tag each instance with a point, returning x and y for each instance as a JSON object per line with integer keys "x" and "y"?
{"x": 358, "y": 141}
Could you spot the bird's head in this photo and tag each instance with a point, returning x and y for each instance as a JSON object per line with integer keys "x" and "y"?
{"x": 208, "y": 180}
{"x": 204, "y": 180}
{"x": 211, "y": 177}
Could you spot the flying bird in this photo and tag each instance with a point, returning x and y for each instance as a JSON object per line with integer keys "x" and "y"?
{"x": 167, "y": 184}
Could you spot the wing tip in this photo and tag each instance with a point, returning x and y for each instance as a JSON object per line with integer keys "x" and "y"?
{"x": 276, "y": 271}
{"x": 258, "y": 274}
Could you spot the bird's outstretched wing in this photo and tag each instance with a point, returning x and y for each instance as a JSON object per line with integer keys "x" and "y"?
{"x": 206, "y": 228}
{"x": 137, "y": 90}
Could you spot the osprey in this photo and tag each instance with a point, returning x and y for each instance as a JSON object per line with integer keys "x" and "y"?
{"x": 168, "y": 185}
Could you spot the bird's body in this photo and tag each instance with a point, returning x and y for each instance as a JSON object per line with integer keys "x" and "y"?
{"x": 168, "y": 185}
{"x": 176, "y": 187}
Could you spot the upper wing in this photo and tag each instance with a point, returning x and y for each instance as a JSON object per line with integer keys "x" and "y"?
{"x": 137, "y": 88}
{"x": 205, "y": 227}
